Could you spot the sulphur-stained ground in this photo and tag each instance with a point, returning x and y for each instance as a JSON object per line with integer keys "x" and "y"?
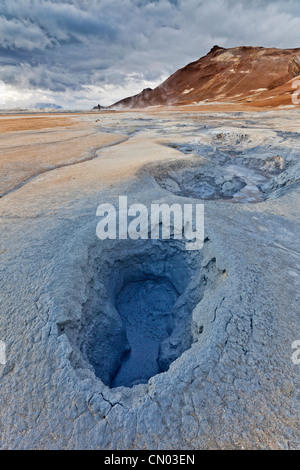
{"x": 214, "y": 327}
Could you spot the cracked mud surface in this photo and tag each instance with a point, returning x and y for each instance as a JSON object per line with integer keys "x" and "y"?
{"x": 219, "y": 323}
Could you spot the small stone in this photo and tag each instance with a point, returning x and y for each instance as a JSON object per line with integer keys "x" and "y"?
{"x": 227, "y": 187}
{"x": 219, "y": 180}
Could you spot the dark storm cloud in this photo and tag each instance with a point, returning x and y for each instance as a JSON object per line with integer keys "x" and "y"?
{"x": 62, "y": 46}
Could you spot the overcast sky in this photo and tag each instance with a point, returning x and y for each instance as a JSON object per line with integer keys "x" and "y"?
{"x": 78, "y": 53}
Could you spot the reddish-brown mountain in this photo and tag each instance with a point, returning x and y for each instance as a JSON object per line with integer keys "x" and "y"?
{"x": 255, "y": 76}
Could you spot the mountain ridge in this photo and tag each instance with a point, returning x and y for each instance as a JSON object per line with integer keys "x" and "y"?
{"x": 256, "y": 76}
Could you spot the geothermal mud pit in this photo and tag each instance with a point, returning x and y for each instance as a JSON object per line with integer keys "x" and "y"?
{"x": 211, "y": 172}
{"x": 234, "y": 166}
{"x": 138, "y": 316}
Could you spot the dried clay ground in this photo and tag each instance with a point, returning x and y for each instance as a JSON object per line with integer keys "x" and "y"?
{"x": 141, "y": 344}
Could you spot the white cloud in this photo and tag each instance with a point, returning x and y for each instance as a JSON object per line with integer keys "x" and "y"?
{"x": 21, "y": 34}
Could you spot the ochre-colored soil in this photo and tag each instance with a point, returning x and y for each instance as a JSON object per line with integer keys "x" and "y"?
{"x": 33, "y": 123}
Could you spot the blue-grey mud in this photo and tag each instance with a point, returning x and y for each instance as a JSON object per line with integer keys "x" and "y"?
{"x": 142, "y": 344}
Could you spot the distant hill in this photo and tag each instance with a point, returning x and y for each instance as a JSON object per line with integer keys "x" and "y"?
{"x": 46, "y": 106}
{"x": 257, "y": 76}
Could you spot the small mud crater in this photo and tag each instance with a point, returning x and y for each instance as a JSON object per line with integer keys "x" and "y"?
{"x": 212, "y": 174}
{"x": 137, "y": 316}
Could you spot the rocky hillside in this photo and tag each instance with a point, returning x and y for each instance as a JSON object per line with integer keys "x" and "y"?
{"x": 254, "y": 75}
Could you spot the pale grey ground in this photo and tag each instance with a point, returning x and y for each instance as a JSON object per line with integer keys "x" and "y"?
{"x": 232, "y": 383}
